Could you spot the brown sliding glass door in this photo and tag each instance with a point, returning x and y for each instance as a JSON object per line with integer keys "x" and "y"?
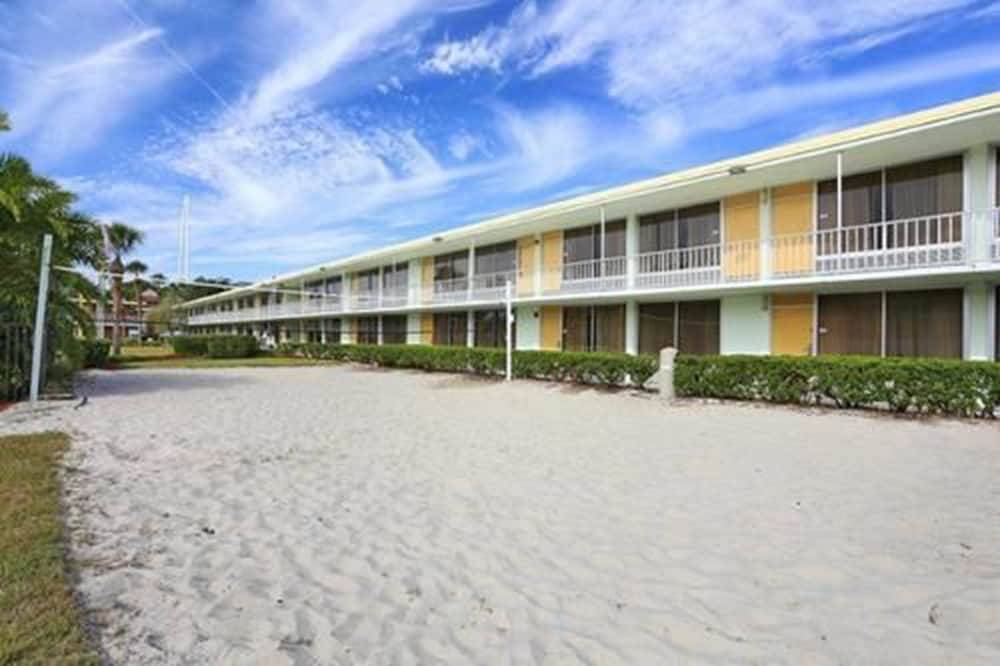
{"x": 594, "y": 328}
{"x": 394, "y": 329}
{"x": 924, "y": 323}
{"x": 367, "y": 330}
{"x": 491, "y": 329}
{"x": 656, "y": 327}
{"x": 698, "y": 327}
{"x": 850, "y": 324}
{"x": 450, "y": 329}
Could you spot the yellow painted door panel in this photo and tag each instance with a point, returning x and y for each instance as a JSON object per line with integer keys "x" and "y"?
{"x": 426, "y": 328}
{"x": 427, "y": 279}
{"x": 792, "y": 324}
{"x": 552, "y": 256}
{"x": 793, "y": 251}
{"x": 526, "y": 252}
{"x": 551, "y": 327}
{"x": 741, "y": 253}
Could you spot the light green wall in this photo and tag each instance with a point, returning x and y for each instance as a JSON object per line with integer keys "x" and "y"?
{"x": 528, "y": 327}
{"x": 977, "y": 345}
{"x": 745, "y": 325}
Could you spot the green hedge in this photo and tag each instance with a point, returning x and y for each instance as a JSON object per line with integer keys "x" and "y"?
{"x": 215, "y": 346}
{"x": 922, "y": 386}
{"x": 95, "y": 353}
{"x": 585, "y": 368}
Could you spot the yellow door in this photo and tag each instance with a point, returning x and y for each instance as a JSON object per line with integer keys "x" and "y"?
{"x": 552, "y": 256}
{"x": 552, "y": 328}
{"x": 792, "y": 252}
{"x": 741, "y": 254}
{"x": 792, "y": 324}
{"x": 526, "y": 252}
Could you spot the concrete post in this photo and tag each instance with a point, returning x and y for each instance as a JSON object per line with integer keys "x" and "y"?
{"x": 665, "y": 377}
{"x": 631, "y": 327}
{"x": 632, "y": 249}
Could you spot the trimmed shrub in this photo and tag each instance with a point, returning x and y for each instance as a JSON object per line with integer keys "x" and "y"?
{"x": 905, "y": 385}
{"x": 584, "y": 368}
{"x": 94, "y": 353}
{"x": 231, "y": 346}
{"x": 190, "y": 345}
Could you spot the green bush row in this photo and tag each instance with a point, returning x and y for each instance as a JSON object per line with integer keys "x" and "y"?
{"x": 923, "y": 386}
{"x": 94, "y": 353}
{"x": 584, "y": 368}
{"x": 215, "y": 346}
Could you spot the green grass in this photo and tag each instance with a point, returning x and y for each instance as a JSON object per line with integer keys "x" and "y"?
{"x": 39, "y": 620}
{"x": 195, "y": 362}
{"x": 146, "y": 351}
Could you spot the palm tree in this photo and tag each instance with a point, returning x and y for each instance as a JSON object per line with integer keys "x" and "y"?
{"x": 121, "y": 240}
{"x": 136, "y": 269}
{"x": 4, "y": 122}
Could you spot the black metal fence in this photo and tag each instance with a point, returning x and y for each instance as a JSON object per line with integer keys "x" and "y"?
{"x": 15, "y": 361}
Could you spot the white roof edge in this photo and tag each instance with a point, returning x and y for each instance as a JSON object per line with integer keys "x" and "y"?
{"x": 840, "y": 140}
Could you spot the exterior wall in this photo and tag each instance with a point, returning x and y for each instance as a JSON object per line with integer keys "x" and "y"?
{"x": 744, "y": 326}
{"x": 526, "y": 251}
{"x": 976, "y": 325}
{"x": 551, "y": 327}
{"x": 791, "y": 214}
{"x": 792, "y": 317}
{"x": 528, "y": 330}
{"x": 631, "y": 327}
{"x": 552, "y": 257}
{"x": 742, "y": 223}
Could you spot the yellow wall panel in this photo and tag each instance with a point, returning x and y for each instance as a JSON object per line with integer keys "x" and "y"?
{"x": 741, "y": 254}
{"x": 792, "y": 324}
{"x": 793, "y": 250}
{"x": 426, "y": 328}
{"x": 526, "y": 253}
{"x": 551, "y": 327}
{"x": 427, "y": 279}
{"x": 552, "y": 257}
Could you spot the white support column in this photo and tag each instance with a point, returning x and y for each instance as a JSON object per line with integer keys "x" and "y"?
{"x": 413, "y": 322}
{"x": 976, "y": 199}
{"x": 632, "y": 249}
{"x": 977, "y": 345}
{"x": 631, "y": 327}
{"x": 472, "y": 270}
{"x": 604, "y": 252}
{"x": 346, "y": 292}
{"x": 470, "y": 328}
{"x": 840, "y": 205}
{"x": 379, "y": 301}
{"x": 414, "y": 277}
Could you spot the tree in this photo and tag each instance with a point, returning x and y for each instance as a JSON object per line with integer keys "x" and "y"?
{"x": 4, "y": 122}
{"x": 121, "y": 239}
{"x": 136, "y": 269}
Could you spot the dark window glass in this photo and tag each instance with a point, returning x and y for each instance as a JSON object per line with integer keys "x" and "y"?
{"x": 698, "y": 327}
{"x": 368, "y": 281}
{"x": 332, "y": 286}
{"x": 500, "y": 258}
{"x": 656, "y": 327}
{"x": 693, "y": 226}
{"x": 850, "y": 324}
{"x": 333, "y": 331}
{"x": 367, "y": 330}
{"x": 924, "y": 323}
{"x": 450, "y": 329}
{"x": 394, "y": 278}
{"x": 658, "y": 231}
{"x": 491, "y": 328}
{"x": 862, "y": 195}
{"x": 584, "y": 243}
{"x": 924, "y": 188}
{"x": 451, "y": 266}
{"x": 594, "y": 328}
{"x": 394, "y": 329}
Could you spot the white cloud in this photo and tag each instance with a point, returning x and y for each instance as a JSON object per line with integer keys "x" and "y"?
{"x": 462, "y": 145}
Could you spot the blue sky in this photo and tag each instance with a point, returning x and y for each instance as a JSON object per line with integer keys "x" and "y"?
{"x": 308, "y": 130}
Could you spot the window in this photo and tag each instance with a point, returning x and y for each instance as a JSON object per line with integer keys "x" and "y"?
{"x": 850, "y": 324}
{"x": 332, "y": 327}
{"x": 367, "y": 328}
{"x": 924, "y": 323}
{"x": 313, "y": 330}
{"x": 584, "y": 243}
{"x": 862, "y": 196}
{"x": 594, "y": 328}
{"x": 500, "y": 258}
{"x": 452, "y": 266}
{"x": 394, "y": 330}
{"x": 924, "y": 188}
{"x": 332, "y": 286}
{"x": 367, "y": 281}
{"x": 450, "y": 329}
{"x": 491, "y": 329}
{"x": 395, "y": 278}
{"x": 682, "y": 229}
{"x": 656, "y": 327}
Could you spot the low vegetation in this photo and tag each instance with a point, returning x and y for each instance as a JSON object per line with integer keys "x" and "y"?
{"x": 584, "y": 368}
{"x": 215, "y": 346}
{"x": 905, "y": 385}
{"x": 39, "y": 620}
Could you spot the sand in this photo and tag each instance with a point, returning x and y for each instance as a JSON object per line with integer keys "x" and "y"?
{"x": 350, "y": 516}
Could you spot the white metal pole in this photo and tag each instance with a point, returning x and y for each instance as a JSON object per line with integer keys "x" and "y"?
{"x": 840, "y": 206}
{"x": 39, "y": 333}
{"x": 510, "y": 327}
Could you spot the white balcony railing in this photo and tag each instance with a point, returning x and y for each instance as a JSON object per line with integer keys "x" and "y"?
{"x": 919, "y": 243}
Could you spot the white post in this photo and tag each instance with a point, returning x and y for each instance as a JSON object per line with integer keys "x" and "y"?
{"x": 39, "y": 332}
{"x": 510, "y": 329}
{"x": 840, "y": 207}
{"x": 666, "y": 374}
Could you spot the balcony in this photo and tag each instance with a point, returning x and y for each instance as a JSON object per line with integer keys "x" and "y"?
{"x": 918, "y": 244}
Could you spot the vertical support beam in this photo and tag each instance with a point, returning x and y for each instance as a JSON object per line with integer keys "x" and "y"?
{"x": 977, "y": 222}
{"x": 603, "y": 249}
{"x": 472, "y": 270}
{"x": 470, "y": 328}
{"x": 346, "y": 292}
{"x": 840, "y": 204}
{"x": 976, "y": 343}
{"x": 379, "y": 291}
{"x": 631, "y": 326}
{"x": 38, "y": 340}
{"x": 539, "y": 265}
{"x": 509, "y": 321}
{"x": 766, "y": 232}
{"x": 413, "y": 281}
{"x": 631, "y": 249}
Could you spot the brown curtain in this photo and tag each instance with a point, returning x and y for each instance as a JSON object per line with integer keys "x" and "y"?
{"x": 657, "y": 231}
{"x": 608, "y": 328}
{"x": 333, "y": 331}
{"x": 496, "y": 258}
{"x": 394, "y": 329}
{"x": 367, "y": 330}
{"x": 491, "y": 329}
{"x": 698, "y": 225}
{"x": 924, "y": 323}
{"x": 656, "y": 327}
{"x": 862, "y": 194}
{"x": 924, "y": 188}
{"x": 368, "y": 280}
{"x": 395, "y": 277}
{"x": 451, "y": 266}
{"x": 614, "y": 238}
{"x": 584, "y": 243}
{"x": 850, "y": 324}
{"x": 576, "y": 328}
{"x": 450, "y": 329}
{"x": 698, "y": 327}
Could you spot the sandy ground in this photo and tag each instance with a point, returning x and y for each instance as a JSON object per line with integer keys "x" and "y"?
{"x": 342, "y": 516}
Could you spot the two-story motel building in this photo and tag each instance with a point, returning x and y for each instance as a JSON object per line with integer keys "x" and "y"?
{"x": 882, "y": 239}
